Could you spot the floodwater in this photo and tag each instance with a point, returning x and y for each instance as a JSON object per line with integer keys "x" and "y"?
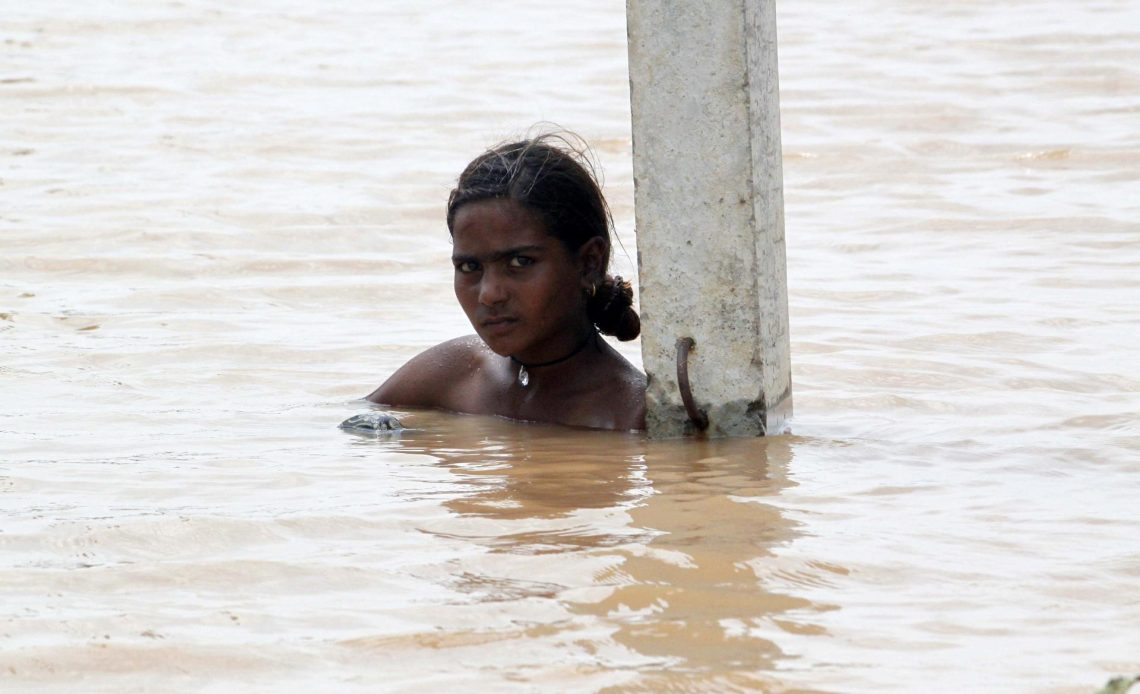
{"x": 222, "y": 225}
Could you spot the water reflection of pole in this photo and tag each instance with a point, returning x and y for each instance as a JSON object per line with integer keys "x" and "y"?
{"x": 691, "y": 598}
{"x": 710, "y": 214}
{"x": 653, "y": 555}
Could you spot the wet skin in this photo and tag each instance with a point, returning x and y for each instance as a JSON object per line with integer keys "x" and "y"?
{"x": 524, "y": 293}
{"x": 520, "y": 287}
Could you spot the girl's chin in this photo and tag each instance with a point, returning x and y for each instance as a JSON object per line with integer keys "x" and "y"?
{"x": 501, "y": 347}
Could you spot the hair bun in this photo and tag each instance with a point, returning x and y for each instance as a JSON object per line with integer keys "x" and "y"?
{"x": 611, "y": 309}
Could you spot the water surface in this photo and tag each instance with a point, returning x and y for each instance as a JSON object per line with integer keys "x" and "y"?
{"x": 220, "y": 227}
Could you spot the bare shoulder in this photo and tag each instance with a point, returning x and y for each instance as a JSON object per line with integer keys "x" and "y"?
{"x": 434, "y": 377}
{"x": 631, "y": 385}
{"x": 617, "y": 399}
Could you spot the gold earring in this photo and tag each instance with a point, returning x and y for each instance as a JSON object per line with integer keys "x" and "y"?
{"x": 593, "y": 290}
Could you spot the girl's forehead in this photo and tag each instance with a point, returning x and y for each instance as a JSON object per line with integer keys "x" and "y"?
{"x": 495, "y": 210}
{"x": 497, "y": 222}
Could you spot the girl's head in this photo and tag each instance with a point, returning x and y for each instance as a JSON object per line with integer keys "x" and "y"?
{"x": 553, "y": 180}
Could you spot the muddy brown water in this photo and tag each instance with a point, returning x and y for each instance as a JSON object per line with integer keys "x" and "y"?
{"x": 220, "y": 226}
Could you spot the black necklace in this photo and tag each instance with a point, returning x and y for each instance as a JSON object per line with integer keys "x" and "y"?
{"x": 524, "y": 375}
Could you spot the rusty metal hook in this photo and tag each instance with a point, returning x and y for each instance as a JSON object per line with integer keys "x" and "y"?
{"x": 698, "y": 417}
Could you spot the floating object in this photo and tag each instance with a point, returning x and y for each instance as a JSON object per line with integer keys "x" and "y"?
{"x": 372, "y": 423}
{"x": 1118, "y": 685}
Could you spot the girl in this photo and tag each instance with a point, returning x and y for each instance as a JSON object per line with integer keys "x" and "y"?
{"x": 531, "y": 247}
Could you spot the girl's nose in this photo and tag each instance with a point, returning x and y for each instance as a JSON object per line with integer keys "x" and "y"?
{"x": 492, "y": 289}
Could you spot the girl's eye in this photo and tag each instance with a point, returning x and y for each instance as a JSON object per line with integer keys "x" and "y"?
{"x": 521, "y": 261}
{"x": 467, "y": 266}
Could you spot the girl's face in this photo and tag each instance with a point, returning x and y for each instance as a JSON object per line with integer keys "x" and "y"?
{"x": 520, "y": 287}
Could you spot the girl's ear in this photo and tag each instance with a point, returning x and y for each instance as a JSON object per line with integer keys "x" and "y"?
{"x": 592, "y": 260}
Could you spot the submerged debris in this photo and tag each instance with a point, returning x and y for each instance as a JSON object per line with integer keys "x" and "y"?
{"x": 1119, "y": 685}
{"x": 372, "y": 422}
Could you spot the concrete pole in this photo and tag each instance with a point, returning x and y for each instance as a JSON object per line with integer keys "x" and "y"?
{"x": 708, "y": 180}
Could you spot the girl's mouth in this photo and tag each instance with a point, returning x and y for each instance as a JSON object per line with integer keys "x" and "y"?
{"x": 499, "y": 326}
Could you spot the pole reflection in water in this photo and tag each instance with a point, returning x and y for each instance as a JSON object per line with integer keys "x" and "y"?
{"x": 643, "y": 559}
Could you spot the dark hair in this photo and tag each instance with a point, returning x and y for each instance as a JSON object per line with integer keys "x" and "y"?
{"x": 552, "y": 178}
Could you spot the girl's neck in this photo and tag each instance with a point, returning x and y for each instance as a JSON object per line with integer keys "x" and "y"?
{"x": 525, "y": 375}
